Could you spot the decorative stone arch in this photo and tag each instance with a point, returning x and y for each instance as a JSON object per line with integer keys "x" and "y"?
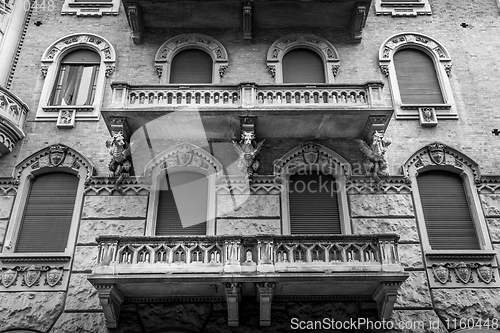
{"x": 321, "y": 46}
{"x": 442, "y": 63}
{"x": 169, "y": 49}
{"x": 438, "y": 156}
{"x": 54, "y": 158}
{"x": 50, "y": 64}
{"x": 182, "y": 157}
{"x": 313, "y": 157}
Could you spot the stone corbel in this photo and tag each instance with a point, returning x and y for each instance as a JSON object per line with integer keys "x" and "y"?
{"x": 120, "y": 124}
{"x": 264, "y": 297}
{"x": 111, "y": 299}
{"x": 358, "y": 20}
{"x": 374, "y": 124}
{"x": 385, "y": 296}
{"x": 233, "y": 297}
{"x": 134, "y": 18}
{"x": 247, "y": 21}
{"x": 427, "y": 117}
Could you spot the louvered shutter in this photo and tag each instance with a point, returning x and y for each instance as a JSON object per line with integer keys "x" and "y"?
{"x": 446, "y": 211}
{"x": 313, "y": 208}
{"x": 182, "y": 204}
{"x": 191, "y": 66}
{"x": 417, "y": 79}
{"x": 303, "y": 66}
{"x": 48, "y": 213}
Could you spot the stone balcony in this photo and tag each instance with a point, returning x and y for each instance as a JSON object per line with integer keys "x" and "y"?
{"x": 333, "y": 110}
{"x": 13, "y": 112}
{"x": 225, "y": 268}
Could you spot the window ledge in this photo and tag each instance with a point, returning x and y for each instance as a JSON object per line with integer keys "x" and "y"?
{"x": 461, "y": 254}
{"x": 34, "y": 257}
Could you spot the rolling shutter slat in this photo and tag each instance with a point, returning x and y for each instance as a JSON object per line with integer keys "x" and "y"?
{"x": 48, "y": 213}
{"x": 417, "y": 79}
{"x": 446, "y": 211}
{"x": 191, "y": 66}
{"x": 181, "y": 210}
{"x": 314, "y": 210}
{"x": 303, "y": 66}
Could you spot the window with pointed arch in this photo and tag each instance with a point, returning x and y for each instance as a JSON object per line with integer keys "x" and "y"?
{"x": 418, "y": 69}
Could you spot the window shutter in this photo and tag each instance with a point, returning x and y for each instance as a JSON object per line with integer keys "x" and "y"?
{"x": 303, "y": 66}
{"x": 417, "y": 79}
{"x": 182, "y": 211}
{"x": 313, "y": 209}
{"x": 191, "y": 66}
{"x": 48, "y": 213}
{"x": 446, "y": 211}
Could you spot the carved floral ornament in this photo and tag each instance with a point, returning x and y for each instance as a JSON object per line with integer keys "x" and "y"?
{"x": 413, "y": 40}
{"x": 311, "y": 155}
{"x": 75, "y": 41}
{"x": 438, "y": 154}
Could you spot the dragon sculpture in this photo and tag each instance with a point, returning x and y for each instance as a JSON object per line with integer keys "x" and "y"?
{"x": 247, "y": 153}
{"x": 375, "y": 154}
{"x": 120, "y": 163}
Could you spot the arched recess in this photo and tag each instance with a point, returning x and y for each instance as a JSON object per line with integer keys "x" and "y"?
{"x": 442, "y": 64}
{"x": 182, "y": 157}
{"x": 438, "y": 156}
{"x": 54, "y": 158}
{"x": 51, "y": 61}
{"x": 321, "y": 46}
{"x": 168, "y": 50}
{"x": 313, "y": 157}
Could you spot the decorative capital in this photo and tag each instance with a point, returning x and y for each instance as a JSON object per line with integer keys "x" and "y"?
{"x": 159, "y": 70}
{"x": 384, "y": 69}
{"x": 335, "y": 69}
{"x": 448, "y": 68}
{"x": 110, "y": 69}
{"x": 222, "y": 70}
{"x": 44, "y": 69}
{"x": 272, "y": 70}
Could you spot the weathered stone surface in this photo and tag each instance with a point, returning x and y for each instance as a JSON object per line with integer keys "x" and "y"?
{"x": 114, "y": 207}
{"x": 405, "y": 228}
{"x": 3, "y": 228}
{"x": 455, "y": 304}
{"x": 414, "y": 292}
{"x": 187, "y": 316}
{"x": 6, "y": 203}
{"x": 416, "y": 321}
{"x": 90, "y": 229}
{"x": 491, "y": 204}
{"x": 497, "y": 248}
{"x": 81, "y": 294}
{"x": 30, "y": 310}
{"x": 80, "y": 322}
{"x": 410, "y": 255}
{"x": 85, "y": 258}
{"x": 248, "y": 227}
{"x": 494, "y": 229}
{"x": 365, "y": 205}
{"x": 248, "y": 206}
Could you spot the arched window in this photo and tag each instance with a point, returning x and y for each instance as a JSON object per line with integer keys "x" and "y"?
{"x": 313, "y": 202}
{"x": 417, "y": 78}
{"x": 191, "y": 66}
{"x": 446, "y": 211}
{"x": 76, "y": 79}
{"x": 303, "y": 66}
{"x": 48, "y": 213}
{"x": 182, "y": 204}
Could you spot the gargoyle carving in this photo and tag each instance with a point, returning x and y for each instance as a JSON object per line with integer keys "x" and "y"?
{"x": 375, "y": 154}
{"x": 247, "y": 152}
{"x": 120, "y": 163}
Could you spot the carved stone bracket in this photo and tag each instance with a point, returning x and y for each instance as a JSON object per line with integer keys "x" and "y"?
{"x": 358, "y": 21}
{"x": 233, "y": 297}
{"x": 111, "y": 300}
{"x": 248, "y": 148}
{"x": 120, "y": 124}
{"x": 374, "y": 124}
{"x": 385, "y": 296}
{"x": 134, "y": 17}
{"x": 247, "y": 21}
{"x": 121, "y": 159}
{"x": 264, "y": 297}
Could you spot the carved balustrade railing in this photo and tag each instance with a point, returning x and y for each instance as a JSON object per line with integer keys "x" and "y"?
{"x": 13, "y": 113}
{"x": 246, "y": 95}
{"x": 229, "y": 254}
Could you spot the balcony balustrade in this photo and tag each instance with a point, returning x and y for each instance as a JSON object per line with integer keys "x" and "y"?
{"x": 12, "y": 116}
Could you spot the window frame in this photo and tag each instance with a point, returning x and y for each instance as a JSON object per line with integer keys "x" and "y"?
{"x": 321, "y": 46}
{"x": 403, "y": 8}
{"x": 50, "y": 67}
{"x": 442, "y": 65}
{"x": 156, "y": 168}
{"x": 326, "y": 159}
{"x": 90, "y": 8}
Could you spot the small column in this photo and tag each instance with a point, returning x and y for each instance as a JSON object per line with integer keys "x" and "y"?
{"x": 265, "y": 296}
{"x": 233, "y": 292}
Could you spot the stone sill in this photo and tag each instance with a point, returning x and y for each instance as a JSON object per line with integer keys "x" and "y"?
{"x": 33, "y": 257}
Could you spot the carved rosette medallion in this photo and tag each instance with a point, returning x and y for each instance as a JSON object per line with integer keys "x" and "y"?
{"x": 184, "y": 156}
{"x": 441, "y": 273}
{"x": 57, "y": 154}
{"x": 310, "y": 153}
{"x": 53, "y": 276}
{"x": 436, "y": 153}
{"x": 463, "y": 273}
{"x": 31, "y": 277}
{"x": 9, "y": 277}
{"x": 485, "y": 273}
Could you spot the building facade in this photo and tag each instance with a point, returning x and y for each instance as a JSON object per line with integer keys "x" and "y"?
{"x": 274, "y": 166}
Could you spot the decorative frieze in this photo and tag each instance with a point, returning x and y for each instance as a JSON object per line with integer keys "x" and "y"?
{"x": 106, "y": 186}
{"x": 24, "y": 278}
{"x": 464, "y": 272}
{"x": 363, "y": 185}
